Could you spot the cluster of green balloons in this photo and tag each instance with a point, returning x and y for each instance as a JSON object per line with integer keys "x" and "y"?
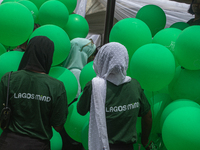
{"x": 178, "y": 103}
{"x": 152, "y": 63}
{"x": 14, "y": 31}
{"x": 181, "y": 129}
{"x": 75, "y": 123}
{"x": 169, "y": 61}
{"x": 59, "y": 13}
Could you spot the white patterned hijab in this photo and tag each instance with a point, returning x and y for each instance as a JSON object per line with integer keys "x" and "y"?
{"x": 110, "y": 63}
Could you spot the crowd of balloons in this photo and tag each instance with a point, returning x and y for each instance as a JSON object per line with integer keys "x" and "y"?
{"x": 166, "y": 62}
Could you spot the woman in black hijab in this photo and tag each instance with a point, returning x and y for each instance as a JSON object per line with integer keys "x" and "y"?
{"x": 38, "y": 55}
{"x": 38, "y": 102}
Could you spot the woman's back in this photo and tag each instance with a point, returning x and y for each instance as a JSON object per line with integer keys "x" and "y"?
{"x": 33, "y": 97}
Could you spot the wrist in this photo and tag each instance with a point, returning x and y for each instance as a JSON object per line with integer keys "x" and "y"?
{"x": 144, "y": 142}
{"x": 147, "y": 145}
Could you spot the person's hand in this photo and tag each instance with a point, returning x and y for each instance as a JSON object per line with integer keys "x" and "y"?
{"x": 147, "y": 146}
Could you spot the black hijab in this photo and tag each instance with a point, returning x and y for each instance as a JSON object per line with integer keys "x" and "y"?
{"x": 38, "y": 55}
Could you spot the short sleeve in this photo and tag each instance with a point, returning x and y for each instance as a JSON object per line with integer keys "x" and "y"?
{"x": 83, "y": 105}
{"x": 144, "y": 105}
{"x": 60, "y": 110}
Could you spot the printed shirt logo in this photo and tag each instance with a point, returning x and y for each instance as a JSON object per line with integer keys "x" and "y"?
{"x": 32, "y": 96}
{"x": 123, "y": 108}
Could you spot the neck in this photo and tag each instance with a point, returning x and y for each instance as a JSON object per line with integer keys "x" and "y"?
{"x": 37, "y": 72}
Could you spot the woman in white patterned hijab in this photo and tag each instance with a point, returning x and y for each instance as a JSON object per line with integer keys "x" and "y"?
{"x": 111, "y": 64}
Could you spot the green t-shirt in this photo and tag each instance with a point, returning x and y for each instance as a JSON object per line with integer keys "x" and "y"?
{"x": 124, "y": 103}
{"x": 191, "y": 22}
{"x": 37, "y": 101}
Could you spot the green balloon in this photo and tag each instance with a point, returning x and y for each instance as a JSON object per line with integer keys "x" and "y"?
{"x": 68, "y": 79}
{"x": 175, "y": 105}
{"x": 84, "y": 136}
{"x": 16, "y": 25}
{"x": 1, "y": 131}
{"x": 56, "y": 141}
{"x": 153, "y": 16}
{"x": 87, "y": 74}
{"x": 2, "y": 49}
{"x": 59, "y": 37}
{"x": 38, "y": 3}
{"x": 181, "y": 129}
{"x": 150, "y": 94}
{"x": 185, "y": 85}
{"x": 70, "y": 4}
{"x": 5, "y": 1}
{"x": 132, "y": 33}
{"x": 138, "y": 125}
{"x": 187, "y": 48}
{"x": 75, "y": 122}
{"x": 158, "y": 103}
{"x": 32, "y": 7}
{"x": 53, "y": 12}
{"x": 76, "y": 27}
{"x": 10, "y": 61}
{"x": 180, "y": 25}
{"x": 153, "y": 65}
{"x": 167, "y": 37}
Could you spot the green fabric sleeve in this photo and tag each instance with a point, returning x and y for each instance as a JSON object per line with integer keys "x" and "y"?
{"x": 144, "y": 105}
{"x": 83, "y": 105}
{"x": 60, "y": 111}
